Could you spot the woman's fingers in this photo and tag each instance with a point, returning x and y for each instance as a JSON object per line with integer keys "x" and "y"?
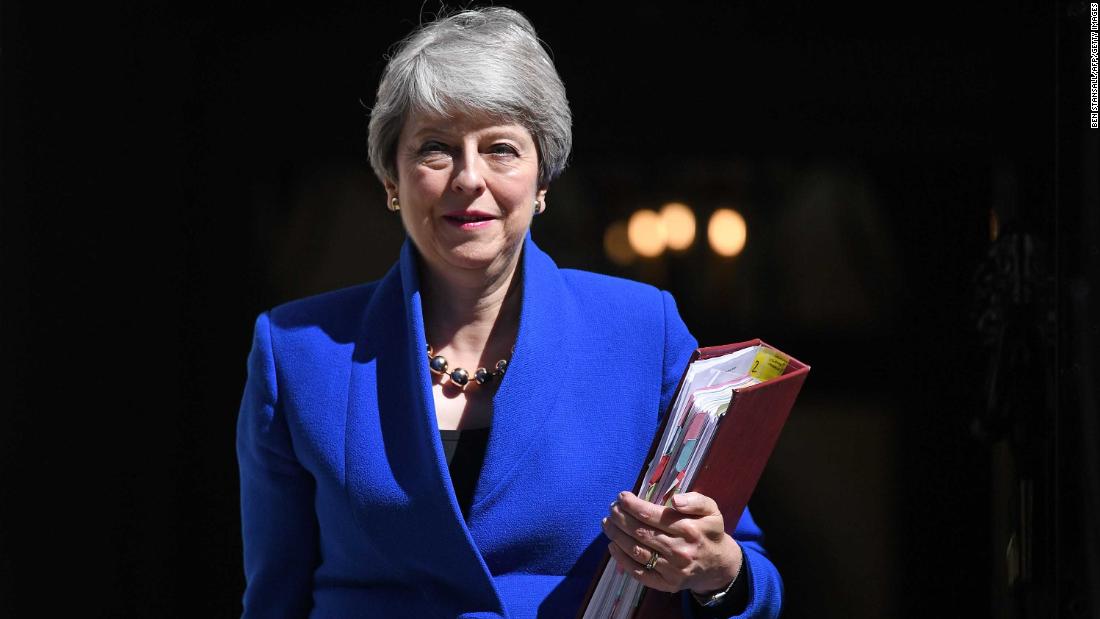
{"x": 699, "y": 519}
{"x": 650, "y": 578}
{"x": 637, "y": 531}
{"x": 640, "y": 552}
{"x": 695, "y": 504}
{"x": 650, "y": 514}
{"x": 671, "y": 522}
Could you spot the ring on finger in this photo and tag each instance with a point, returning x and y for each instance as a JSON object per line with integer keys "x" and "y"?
{"x": 652, "y": 561}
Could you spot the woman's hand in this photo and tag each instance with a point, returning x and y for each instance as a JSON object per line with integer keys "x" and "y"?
{"x": 693, "y": 549}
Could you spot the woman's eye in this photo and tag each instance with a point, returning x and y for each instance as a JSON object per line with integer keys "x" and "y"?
{"x": 503, "y": 149}
{"x": 433, "y": 147}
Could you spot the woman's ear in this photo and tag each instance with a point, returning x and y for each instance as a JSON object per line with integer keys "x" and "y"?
{"x": 391, "y": 189}
{"x": 540, "y": 195}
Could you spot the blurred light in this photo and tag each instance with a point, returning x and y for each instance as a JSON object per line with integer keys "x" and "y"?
{"x": 680, "y": 223}
{"x": 994, "y": 225}
{"x": 616, "y": 244}
{"x": 647, "y": 233}
{"x": 727, "y": 232}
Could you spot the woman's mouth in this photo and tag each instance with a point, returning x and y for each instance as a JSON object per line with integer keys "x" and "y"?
{"x": 468, "y": 221}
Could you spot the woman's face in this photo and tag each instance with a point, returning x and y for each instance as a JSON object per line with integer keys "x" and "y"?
{"x": 467, "y": 187}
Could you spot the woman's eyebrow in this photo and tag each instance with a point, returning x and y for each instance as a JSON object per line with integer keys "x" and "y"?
{"x": 503, "y": 132}
{"x": 428, "y": 130}
{"x": 431, "y": 124}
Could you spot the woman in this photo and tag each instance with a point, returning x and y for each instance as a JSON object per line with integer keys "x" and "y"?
{"x": 381, "y": 474}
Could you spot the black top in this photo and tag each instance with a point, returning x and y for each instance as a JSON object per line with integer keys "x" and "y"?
{"x": 465, "y": 451}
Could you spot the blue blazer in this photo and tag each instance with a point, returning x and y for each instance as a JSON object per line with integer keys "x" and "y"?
{"x": 346, "y": 501}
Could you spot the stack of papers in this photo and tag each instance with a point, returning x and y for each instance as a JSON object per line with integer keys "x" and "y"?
{"x": 708, "y": 387}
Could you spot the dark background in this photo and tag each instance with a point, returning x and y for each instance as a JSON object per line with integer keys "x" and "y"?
{"x": 171, "y": 172}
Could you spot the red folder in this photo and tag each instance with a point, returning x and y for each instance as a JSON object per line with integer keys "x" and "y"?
{"x": 742, "y": 444}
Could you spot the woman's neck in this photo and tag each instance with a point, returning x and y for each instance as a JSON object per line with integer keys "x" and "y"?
{"x": 472, "y": 316}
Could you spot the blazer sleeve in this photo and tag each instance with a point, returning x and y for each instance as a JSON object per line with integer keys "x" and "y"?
{"x": 278, "y": 521}
{"x": 765, "y": 584}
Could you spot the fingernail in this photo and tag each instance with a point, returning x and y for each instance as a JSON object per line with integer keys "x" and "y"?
{"x": 622, "y": 495}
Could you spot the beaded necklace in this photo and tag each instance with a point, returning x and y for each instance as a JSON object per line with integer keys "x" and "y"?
{"x": 459, "y": 376}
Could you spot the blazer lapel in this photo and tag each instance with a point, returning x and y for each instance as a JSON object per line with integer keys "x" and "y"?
{"x": 525, "y": 399}
{"x": 398, "y": 480}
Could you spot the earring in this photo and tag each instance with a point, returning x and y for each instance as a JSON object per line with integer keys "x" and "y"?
{"x": 539, "y": 207}
{"x": 394, "y": 205}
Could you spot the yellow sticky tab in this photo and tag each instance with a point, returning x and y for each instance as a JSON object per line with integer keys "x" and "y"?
{"x": 768, "y": 364}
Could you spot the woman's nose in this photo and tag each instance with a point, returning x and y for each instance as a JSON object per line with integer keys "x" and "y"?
{"x": 468, "y": 177}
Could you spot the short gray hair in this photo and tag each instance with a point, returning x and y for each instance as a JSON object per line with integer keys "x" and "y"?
{"x": 487, "y": 61}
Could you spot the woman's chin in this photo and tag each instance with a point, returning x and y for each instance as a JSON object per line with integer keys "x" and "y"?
{"x": 475, "y": 259}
